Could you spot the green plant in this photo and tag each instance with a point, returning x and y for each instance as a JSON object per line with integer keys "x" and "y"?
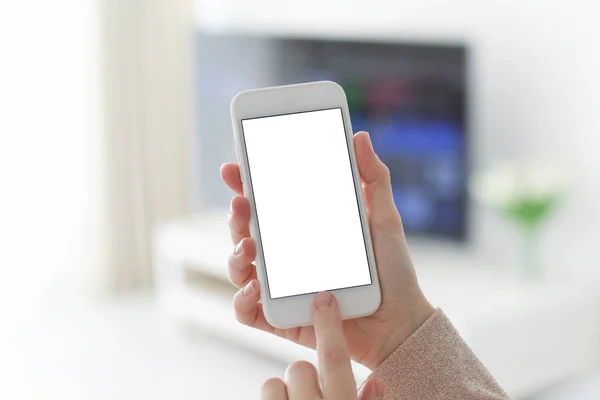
{"x": 525, "y": 195}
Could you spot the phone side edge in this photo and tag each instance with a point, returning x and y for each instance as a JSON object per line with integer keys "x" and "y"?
{"x": 362, "y": 208}
{"x": 242, "y": 159}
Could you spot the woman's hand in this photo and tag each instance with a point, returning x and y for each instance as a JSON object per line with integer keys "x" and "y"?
{"x": 301, "y": 380}
{"x": 403, "y": 308}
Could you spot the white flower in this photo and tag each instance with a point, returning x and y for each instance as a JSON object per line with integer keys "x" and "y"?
{"x": 507, "y": 183}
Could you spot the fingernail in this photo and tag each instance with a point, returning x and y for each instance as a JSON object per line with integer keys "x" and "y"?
{"x": 323, "y": 300}
{"x": 379, "y": 388}
{"x": 369, "y": 140}
{"x": 249, "y": 289}
{"x": 238, "y": 249}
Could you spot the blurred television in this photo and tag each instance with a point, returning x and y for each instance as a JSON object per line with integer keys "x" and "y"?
{"x": 412, "y": 98}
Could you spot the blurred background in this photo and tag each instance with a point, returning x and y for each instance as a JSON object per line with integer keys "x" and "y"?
{"x": 113, "y": 235}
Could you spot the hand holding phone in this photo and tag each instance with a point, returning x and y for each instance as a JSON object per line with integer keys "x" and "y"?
{"x": 403, "y": 306}
{"x": 284, "y": 137}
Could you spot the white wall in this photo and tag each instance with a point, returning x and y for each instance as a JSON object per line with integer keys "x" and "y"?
{"x": 538, "y": 92}
{"x": 536, "y": 89}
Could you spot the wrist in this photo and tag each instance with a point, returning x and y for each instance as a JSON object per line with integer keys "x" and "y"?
{"x": 405, "y": 326}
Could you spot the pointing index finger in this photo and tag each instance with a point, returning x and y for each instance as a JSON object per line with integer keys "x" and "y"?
{"x": 334, "y": 358}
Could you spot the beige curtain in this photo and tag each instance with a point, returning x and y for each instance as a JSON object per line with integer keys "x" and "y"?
{"x": 147, "y": 92}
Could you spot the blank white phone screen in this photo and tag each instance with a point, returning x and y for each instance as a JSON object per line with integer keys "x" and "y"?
{"x": 305, "y": 198}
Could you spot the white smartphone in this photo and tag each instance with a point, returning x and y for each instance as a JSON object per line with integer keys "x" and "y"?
{"x": 308, "y": 217}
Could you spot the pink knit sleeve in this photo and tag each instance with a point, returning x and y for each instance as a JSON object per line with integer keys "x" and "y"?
{"x": 435, "y": 363}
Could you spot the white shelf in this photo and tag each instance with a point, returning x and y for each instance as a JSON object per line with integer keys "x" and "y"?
{"x": 510, "y": 324}
{"x": 201, "y": 242}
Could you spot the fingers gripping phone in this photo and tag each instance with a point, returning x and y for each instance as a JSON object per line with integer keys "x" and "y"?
{"x": 308, "y": 216}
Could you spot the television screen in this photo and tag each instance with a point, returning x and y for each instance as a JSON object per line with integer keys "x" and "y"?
{"x": 411, "y": 98}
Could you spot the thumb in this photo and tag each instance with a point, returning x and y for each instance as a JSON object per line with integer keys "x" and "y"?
{"x": 375, "y": 177}
{"x": 372, "y": 390}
